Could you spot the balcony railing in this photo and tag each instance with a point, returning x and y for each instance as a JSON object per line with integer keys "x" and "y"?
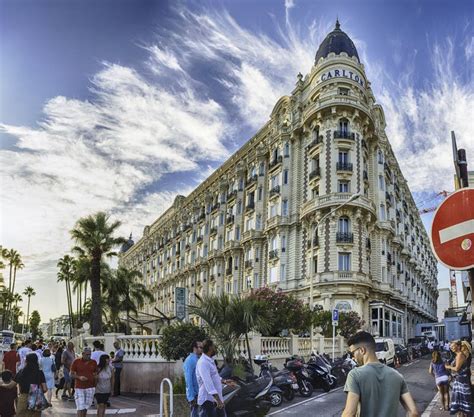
{"x": 275, "y": 191}
{"x": 344, "y": 237}
{"x": 315, "y": 173}
{"x": 341, "y": 134}
{"x": 314, "y": 242}
{"x": 230, "y": 219}
{"x": 273, "y": 254}
{"x": 316, "y": 141}
{"x": 275, "y": 162}
{"x": 213, "y": 230}
{"x": 248, "y": 264}
{"x": 231, "y": 195}
{"x": 250, "y": 206}
{"x": 344, "y": 166}
{"x": 251, "y": 180}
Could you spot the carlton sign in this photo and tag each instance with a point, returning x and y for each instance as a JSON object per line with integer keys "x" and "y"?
{"x": 452, "y": 231}
{"x": 343, "y": 73}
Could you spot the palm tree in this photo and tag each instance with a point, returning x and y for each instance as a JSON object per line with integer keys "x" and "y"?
{"x": 125, "y": 294}
{"x": 67, "y": 269}
{"x": 230, "y": 318}
{"x": 17, "y": 265}
{"x": 11, "y": 255}
{"x": 94, "y": 237}
{"x": 29, "y": 292}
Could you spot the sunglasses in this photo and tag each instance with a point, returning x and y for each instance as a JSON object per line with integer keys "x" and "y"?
{"x": 351, "y": 354}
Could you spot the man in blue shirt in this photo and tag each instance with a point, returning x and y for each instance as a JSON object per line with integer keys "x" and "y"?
{"x": 192, "y": 387}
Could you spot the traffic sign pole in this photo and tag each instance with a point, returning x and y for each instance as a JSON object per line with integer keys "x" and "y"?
{"x": 335, "y": 322}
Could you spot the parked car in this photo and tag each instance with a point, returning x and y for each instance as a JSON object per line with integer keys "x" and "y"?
{"x": 385, "y": 350}
{"x": 401, "y": 352}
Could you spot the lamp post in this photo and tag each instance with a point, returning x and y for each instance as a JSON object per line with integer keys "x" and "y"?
{"x": 352, "y": 198}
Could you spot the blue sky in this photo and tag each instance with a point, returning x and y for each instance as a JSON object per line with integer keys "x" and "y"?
{"x": 118, "y": 105}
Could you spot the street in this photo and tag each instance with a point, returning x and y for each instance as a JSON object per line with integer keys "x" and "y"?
{"x": 420, "y": 384}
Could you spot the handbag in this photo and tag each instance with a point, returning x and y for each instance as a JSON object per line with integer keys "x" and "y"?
{"x": 36, "y": 400}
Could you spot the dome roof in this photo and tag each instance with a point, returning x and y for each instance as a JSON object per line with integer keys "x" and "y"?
{"x": 127, "y": 245}
{"x": 337, "y": 41}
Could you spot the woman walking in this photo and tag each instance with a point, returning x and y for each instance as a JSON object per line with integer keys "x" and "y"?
{"x": 28, "y": 376}
{"x": 438, "y": 369}
{"x": 48, "y": 366}
{"x": 105, "y": 384}
{"x": 461, "y": 390}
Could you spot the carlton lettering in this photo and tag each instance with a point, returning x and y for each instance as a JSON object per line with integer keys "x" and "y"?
{"x": 342, "y": 73}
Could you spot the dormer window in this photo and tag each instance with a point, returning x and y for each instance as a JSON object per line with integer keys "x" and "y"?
{"x": 343, "y": 91}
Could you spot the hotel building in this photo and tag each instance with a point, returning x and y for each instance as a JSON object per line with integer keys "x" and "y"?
{"x": 315, "y": 204}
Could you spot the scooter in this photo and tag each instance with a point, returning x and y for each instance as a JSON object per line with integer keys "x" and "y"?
{"x": 248, "y": 399}
{"x": 342, "y": 367}
{"x": 283, "y": 379}
{"x": 319, "y": 370}
{"x": 303, "y": 378}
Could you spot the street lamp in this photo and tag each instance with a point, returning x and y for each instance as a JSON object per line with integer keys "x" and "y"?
{"x": 352, "y": 198}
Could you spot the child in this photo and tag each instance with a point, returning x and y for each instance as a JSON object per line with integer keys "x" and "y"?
{"x": 8, "y": 394}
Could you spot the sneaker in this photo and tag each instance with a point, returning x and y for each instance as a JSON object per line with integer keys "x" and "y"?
{"x": 71, "y": 398}
{"x": 64, "y": 397}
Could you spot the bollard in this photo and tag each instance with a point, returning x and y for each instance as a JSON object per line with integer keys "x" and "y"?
{"x": 164, "y": 406}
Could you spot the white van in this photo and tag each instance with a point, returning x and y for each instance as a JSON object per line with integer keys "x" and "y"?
{"x": 385, "y": 350}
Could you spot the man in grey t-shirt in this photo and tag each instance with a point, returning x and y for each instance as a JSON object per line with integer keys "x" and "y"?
{"x": 373, "y": 389}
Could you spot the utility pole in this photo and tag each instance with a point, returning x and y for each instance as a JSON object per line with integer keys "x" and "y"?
{"x": 462, "y": 181}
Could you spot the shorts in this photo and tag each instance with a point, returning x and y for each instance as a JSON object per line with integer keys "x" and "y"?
{"x": 102, "y": 398}
{"x": 67, "y": 376}
{"x": 442, "y": 380}
{"x": 84, "y": 398}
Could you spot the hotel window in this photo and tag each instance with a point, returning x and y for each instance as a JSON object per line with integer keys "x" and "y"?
{"x": 282, "y": 272}
{"x": 344, "y": 125}
{"x": 274, "y": 245}
{"x": 204, "y": 251}
{"x": 344, "y": 91}
{"x": 284, "y": 208}
{"x": 274, "y": 274}
{"x": 239, "y": 207}
{"x": 343, "y": 186}
{"x": 381, "y": 182}
{"x": 236, "y": 287}
{"x": 237, "y": 233}
{"x": 383, "y": 215}
{"x": 229, "y": 235}
{"x": 241, "y": 184}
{"x": 316, "y": 132}
{"x": 257, "y": 254}
{"x": 273, "y": 210}
{"x": 287, "y": 149}
{"x": 344, "y": 226}
{"x": 285, "y": 176}
{"x": 343, "y": 157}
{"x": 260, "y": 193}
{"x": 274, "y": 181}
{"x": 249, "y": 224}
{"x": 315, "y": 264}
{"x": 380, "y": 157}
{"x": 221, "y": 219}
{"x": 261, "y": 169}
{"x": 344, "y": 261}
{"x": 315, "y": 192}
{"x": 283, "y": 243}
{"x": 220, "y": 242}
{"x": 258, "y": 222}
{"x": 256, "y": 281}
{"x": 249, "y": 282}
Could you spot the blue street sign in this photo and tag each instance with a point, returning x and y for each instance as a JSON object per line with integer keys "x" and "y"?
{"x": 335, "y": 315}
{"x": 180, "y": 303}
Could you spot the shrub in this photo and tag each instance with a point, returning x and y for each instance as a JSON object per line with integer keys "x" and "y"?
{"x": 177, "y": 339}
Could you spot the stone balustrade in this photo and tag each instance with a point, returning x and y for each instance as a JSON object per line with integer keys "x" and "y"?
{"x": 141, "y": 348}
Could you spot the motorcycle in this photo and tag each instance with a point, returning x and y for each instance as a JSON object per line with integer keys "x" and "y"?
{"x": 248, "y": 399}
{"x": 342, "y": 367}
{"x": 303, "y": 379}
{"x": 283, "y": 379}
{"x": 319, "y": 369}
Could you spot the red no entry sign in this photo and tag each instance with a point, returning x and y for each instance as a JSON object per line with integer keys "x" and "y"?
{"x": 452, "y": 231}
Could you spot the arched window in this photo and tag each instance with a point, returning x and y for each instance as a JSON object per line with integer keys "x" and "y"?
{"x": 261, "y": 170}
{"x": 344, "y": 225}
{"x": 287, "y": 149}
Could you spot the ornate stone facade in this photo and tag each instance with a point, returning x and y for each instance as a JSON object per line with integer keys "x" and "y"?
{"x": 256, "y": 220}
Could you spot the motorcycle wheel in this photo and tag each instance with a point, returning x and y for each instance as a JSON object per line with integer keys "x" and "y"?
{"x": 276, "y": 399}
{"x": 289, "y": 395}
{"x": 333, "y": 383}
{"x": 306, "y": 389}
{"x": 326, "y": 386}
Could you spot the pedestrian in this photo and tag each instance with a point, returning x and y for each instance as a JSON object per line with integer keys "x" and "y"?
{"x": 461, "y": 388}
{"x": 438, "y": 369}
{"x": 8, "y": 394}
{"x": 446, "y": 346}
{"x": 104, "y": 384}
{"x": 67, "y": 358}
{"x": 117, "y": 363}
{"x": 373, "y": 386}
{"x": 28, "y": 378}
{"x": 23, "y": 351}
{"x": 189, "y": 368}
{"x": 48, "y": 366}
{"x": 37, "y": 352}
{"x": 84, "y": 370}
{"x": 98, "y": 351}
{"x": 210, "y": 400}
{"x": 11, "y": 359}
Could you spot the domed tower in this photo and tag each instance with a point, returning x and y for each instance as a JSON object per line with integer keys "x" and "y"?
{"x": 353, "y": 239}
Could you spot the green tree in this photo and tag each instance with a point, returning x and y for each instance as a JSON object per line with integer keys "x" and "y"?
{"x": 66, "y": 273}
{"x": 94, "y": 238}
{"x": 177, "y": 340}
{"x": 35, "y": 321}
{"x": 349, "y": 323}
{"x": 230, "y": 318}
{"x": 29, "y": 292}
{"x": 287, "y": 312}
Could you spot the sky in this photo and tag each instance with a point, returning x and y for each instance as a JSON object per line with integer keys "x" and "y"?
{"x": 120, "y": 105}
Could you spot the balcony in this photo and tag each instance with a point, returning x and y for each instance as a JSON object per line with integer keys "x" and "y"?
{"x": 248, "y": 264}
{"x": 230, "y": 219}
{"x": 315, "y": 173}
{"x": 215, "y": 207}
{"x": 344, "y": 166}
{"x": 277, "y": 221}
{"x": 188, "y": 246}
{"x": 231, "y": 195}
{"x": 313, "y": 242}
{"x": 314, "y": 143}
{"x": 228, "y": 271}
{"x": 275, "y": 191}
{"x": 199, "y": 239}
{"x": 251, "y": 234}
{"x": 344, "y": 237}
{"x": 341, "y": 134}
{"x": 231, "y": 244}
{"x": 213, "y": 230}
{"x": 251, "y": 180}
{"x": 250, "y": 206}
{"x": 275, "y": 162}
{"x": 273, "y": 254}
